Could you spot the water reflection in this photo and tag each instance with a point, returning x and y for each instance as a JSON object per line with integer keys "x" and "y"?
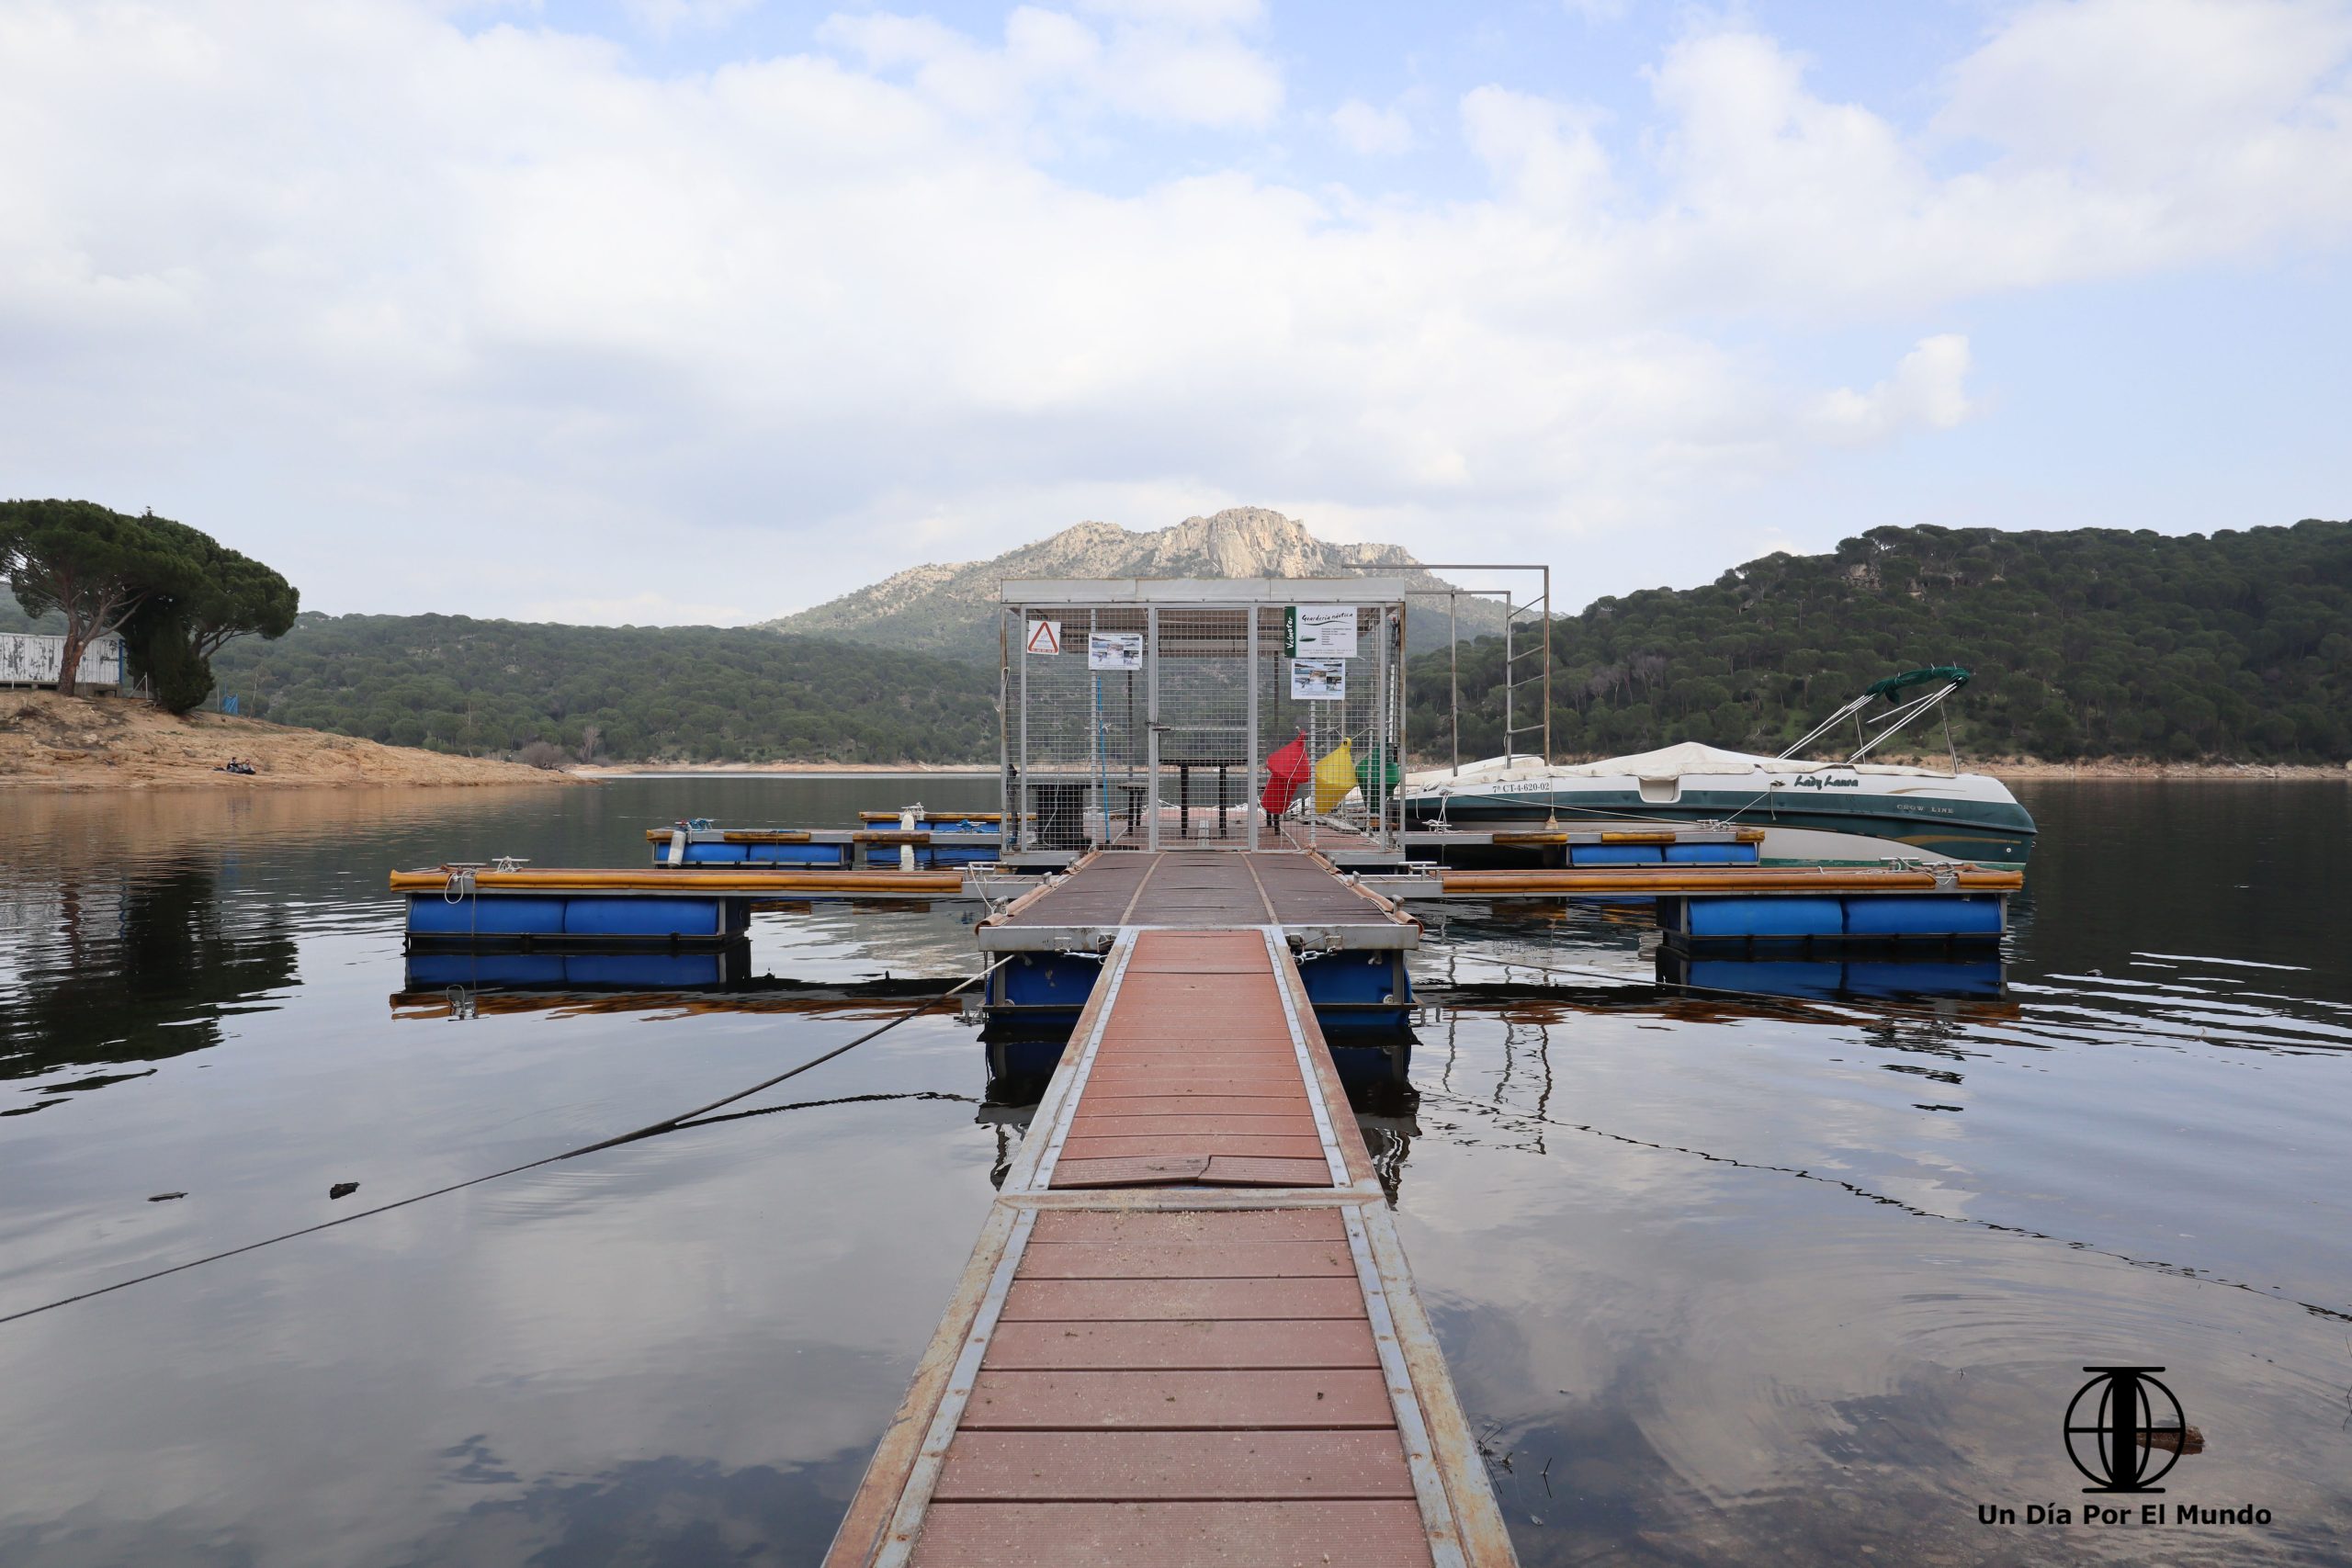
{"x": 112, "y": 968}
{"x": 609, "y": 969}
{"x": 1888, "y": 977}
{"x": 670, "y": 1511}
{"x": 467, "y": 983}
{"x": 1720, "y": 1272}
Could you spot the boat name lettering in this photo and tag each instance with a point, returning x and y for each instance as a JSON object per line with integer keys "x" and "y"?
{"x": 1816, "y": 781}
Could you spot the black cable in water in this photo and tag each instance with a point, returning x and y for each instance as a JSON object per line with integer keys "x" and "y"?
{"x": 667, "y": 1124}
{"x": 2158, "y": 1265}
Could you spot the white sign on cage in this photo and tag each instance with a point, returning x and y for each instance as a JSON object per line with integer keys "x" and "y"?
{"x": 1319, "y": 631}
{"x": 1318, "y": 679}
{"x": 1115, "y": 651}
{"x": 1045, "y": 637}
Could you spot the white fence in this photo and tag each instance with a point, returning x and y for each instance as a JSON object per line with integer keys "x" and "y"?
{"x": 27, "y": 659}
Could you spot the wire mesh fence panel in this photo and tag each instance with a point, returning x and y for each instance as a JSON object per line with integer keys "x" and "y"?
{"x": 1076, "y": 727}
{"x": 1331, "y": 723}
{"x": 1200, "y": 661}
{"x": 1197, "y": 724}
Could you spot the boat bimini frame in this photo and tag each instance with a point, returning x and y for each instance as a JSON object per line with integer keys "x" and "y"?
{"x": 1946, "y": 678}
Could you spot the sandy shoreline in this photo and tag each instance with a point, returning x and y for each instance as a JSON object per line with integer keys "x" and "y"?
{"x": 89, "y": 744}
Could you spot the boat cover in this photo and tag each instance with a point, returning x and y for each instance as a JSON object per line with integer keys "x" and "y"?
{"x": 1667, "y": 762}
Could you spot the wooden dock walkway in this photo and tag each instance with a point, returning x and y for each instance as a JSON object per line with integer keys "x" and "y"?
{"x": 1187, "y": 1335}
{"x": 1202, "y": 889}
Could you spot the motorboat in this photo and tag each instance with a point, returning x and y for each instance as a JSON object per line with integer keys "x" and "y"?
{"x": 1813, "y": 813}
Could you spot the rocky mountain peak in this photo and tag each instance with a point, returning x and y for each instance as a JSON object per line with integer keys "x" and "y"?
{"x": 950, "y": 608}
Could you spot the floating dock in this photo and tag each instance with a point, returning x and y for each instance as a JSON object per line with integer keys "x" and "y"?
{"x": 554, "y": 907}
{"x": 1700, "y": 906}
{"x": 1345, "y": 923}
{"x": 1352, "y": 942}
{"x": 1187, "y": 1335}
{"x": 1541, "y": 848}
{"x": 953, "y": 842}
{"x": 912, "y": 841}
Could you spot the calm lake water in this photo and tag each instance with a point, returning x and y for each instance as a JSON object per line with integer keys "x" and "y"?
{"x": 1723, "y": 1278}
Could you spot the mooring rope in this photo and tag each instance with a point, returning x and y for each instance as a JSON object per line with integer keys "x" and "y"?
{"x": 667, "y": 1124}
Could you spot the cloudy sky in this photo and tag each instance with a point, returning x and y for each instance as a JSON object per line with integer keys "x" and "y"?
{"x": 659, "y": 311}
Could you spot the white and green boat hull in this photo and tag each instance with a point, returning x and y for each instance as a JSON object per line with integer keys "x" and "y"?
{"x": 1811, "y": 813}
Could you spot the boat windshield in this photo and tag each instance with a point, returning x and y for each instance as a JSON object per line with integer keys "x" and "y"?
{"x": 1940, "y": 681}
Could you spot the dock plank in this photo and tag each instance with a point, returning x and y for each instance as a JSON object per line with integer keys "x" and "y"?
{"x": 1234, "y": 991}
{"x": 1176, "y": 1226}
{"x": 1106, "y": 1086}
{"x": 1318, "y": 1400}
{"x": 1117, "y": 1079}
{"x": 1173, "y": 1466}
{"x": 1086, "y": 1145}
{"x": 1279, "y": 1119}
{"x": 1147, "y": 1171}
{"x": 1189, "y": 1345}
{"x": 1296, "y": 1534}
{"x": 1205, "y": 954}
{"x": 1194, "y": 1260}
{"x": 1206, "y": 1059}
{"x": 1252, "y": 1170}
{"x": 1145, "y": 1299}
{"x": 1205, "y": 1052}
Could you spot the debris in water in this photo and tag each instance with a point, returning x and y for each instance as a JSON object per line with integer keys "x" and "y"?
{"x": 342, "y": 1190}
{"x": 165, "y": 1197}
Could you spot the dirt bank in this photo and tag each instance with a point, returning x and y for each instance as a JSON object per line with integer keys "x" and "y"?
{"x": 108, "y": 743}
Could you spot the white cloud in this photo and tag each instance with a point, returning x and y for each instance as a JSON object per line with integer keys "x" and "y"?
{"x": 1157, "y": 61}
{"x": 1925, "y": 392}
{"x": 2145, "y": 89}
{"x": 470, "y": 320}
{"x": 662, "y": 17}
{"x": 1784, "y": 201}
{"x": 1372, "y": 132}
{"x": 1542, "y": 152}
{"x": 1182, "y": 12}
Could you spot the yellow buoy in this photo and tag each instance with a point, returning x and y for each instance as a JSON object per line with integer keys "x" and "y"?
{"x": 1335, "y": 778}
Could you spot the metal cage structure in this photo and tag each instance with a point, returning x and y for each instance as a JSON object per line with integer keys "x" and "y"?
{"x": 1141, "y": 713}
{"x": 1527, "y": 652}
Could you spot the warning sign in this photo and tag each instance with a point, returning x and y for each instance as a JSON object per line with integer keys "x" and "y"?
{"x": 1045, "y": 637}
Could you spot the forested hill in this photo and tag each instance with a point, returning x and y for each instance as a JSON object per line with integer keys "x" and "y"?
{"x": 2091, "y": 642}
{"x": 700, "y": 694}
